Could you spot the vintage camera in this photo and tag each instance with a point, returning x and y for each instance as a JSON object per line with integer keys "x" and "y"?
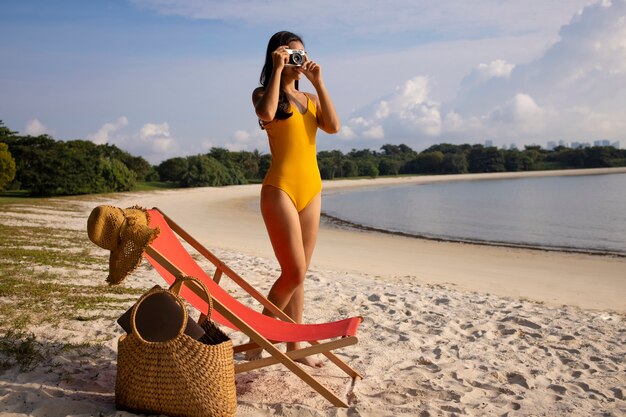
{"x": 296, "y": 57}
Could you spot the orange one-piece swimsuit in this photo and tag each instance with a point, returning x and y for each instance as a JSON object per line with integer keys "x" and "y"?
{"x": 294, "y": 157}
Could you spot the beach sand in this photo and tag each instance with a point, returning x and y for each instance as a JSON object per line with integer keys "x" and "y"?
{"x": 449, "y": 329}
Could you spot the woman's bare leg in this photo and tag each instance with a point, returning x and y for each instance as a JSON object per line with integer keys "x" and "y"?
{"x": 282, "y": 221}
{"x": 309, "y": 226}
{"x": 283, "y": 226}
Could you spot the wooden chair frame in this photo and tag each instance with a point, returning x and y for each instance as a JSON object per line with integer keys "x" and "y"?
{"x": 258, "y": 340}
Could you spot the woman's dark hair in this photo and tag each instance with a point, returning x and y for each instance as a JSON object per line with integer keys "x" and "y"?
{"x": 278, "y": 39}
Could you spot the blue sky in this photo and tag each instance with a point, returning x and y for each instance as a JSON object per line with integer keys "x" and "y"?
{"x": 164, "y": 78}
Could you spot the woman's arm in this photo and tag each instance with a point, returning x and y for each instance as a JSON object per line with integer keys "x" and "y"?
{"x": 265, "y": 100}
{"x": 327, "y": 118}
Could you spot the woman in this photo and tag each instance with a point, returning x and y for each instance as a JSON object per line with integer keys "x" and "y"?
{"x": 291, "y": 192}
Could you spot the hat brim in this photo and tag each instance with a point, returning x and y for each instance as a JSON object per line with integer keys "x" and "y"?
{"x": 127, "y": 257}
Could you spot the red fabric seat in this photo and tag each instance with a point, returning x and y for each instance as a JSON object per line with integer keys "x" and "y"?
{"x": 169, "y": 245}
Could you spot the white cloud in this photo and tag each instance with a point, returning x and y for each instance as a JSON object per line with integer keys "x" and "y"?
{"x": 153, "y": 141}
{"x": 154, "y": 130}
{"x": 102, "y": 135}
{"x": 520, "y": 109}
{"x": 156, "y": 138}
{"x": 382, "y": 111}
{"x": 162, "y": 145}
{"x": 407, "y": 111}
{"x": 242, "y": 136}
{"x": 575, "y": 90}
{"x": 497, "y": 68}
{"x": 248, "y": 140}
{"x": 361, "y": 122}
{"x": 374, "y": 132}
{"x": 346, "y": 132}
{"x": 35, "y": 128}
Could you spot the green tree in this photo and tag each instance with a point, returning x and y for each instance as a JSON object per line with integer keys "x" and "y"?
{"x": 514, "y": 160}
{"x": 598, "y": 156}
{"x": 204, "y": 170}
{"x": 333, "y": 163}
{"x": 454, "y": 163}
{"x": 361, "y": 154}
{"x": 482, "y": 159}
{"x": 248, "y": 162}
{"x": 535, "y": 155}
{"x": 115, "y": 174}
{"x": 264, "y": 165}
{"x": 366, "y": 162}
{"x": 173, "y": 169}
{"x": 367, "y": 168}
{"x": 391, "y": 150}
{"x": 401, "y": 152}
{"x": 389, "y": 166}
{"x": 234, "y": 171}
{"x": 32, "y": 155}
{"x": 7, "y": 166}
{"x": 142, "y": 168}
{"x": 5, "y": 132}
{"x": 447, "y": 148}
{"x": 46, "y": 167}
{"x": 349, "y": 168}
{"x": 430, "y": 162}
{"x": 327, "y": 168}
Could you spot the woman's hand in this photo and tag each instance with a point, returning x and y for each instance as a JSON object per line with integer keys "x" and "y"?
{"x": 312, "y": 71}
{"x": 280, "y": 57}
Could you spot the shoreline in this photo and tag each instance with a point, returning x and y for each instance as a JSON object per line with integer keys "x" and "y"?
{"x": 339, "y": 223}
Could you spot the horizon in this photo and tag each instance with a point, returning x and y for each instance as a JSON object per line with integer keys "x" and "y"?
{"x": 170, "y": 78}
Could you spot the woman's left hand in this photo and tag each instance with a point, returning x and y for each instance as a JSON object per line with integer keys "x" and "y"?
{"x": 312, "y": 71}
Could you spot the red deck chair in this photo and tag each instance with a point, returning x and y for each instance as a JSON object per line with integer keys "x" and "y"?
{"x": 171, "y": 260}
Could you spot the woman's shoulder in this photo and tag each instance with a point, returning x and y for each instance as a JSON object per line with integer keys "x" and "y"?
{"x": 257, "y": 92}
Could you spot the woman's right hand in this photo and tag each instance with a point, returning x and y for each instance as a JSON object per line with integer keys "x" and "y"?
{"x": 280, "y": 57}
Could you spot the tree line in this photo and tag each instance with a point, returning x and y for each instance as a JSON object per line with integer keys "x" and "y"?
{"x": 44, "y": 166}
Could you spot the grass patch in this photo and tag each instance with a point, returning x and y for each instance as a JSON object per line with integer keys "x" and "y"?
{"x": 14, "y": 194}
{"x": 45, "y": 246}
{"x": 6, "y": 198}
{"x": 21, "y": 349}
{"x": 27, "y": 298}
{"x": 154, "y": 185}
{"x": 18, "y": 348}
{"x": 32, "y": 290}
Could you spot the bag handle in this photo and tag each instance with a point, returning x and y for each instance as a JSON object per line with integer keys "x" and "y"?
{"x": 133, "y": 315}
{"x": 204, "y": 293}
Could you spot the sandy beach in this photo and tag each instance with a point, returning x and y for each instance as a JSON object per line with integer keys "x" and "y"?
{"x": 449, "y": 329}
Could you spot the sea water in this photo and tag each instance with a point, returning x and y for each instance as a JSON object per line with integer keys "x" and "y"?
{"x": 581, "y": 213}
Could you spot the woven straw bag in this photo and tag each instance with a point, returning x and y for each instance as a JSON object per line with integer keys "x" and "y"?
{"x": 181, "y": 376}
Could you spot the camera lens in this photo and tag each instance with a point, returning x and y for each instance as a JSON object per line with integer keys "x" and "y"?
{"x": 297, "y": 58}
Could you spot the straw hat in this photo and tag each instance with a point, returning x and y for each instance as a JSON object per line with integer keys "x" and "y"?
{"x": 125, "y": 232}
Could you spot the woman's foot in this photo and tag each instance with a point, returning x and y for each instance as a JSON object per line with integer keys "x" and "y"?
{"x": 308, "y": 361}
